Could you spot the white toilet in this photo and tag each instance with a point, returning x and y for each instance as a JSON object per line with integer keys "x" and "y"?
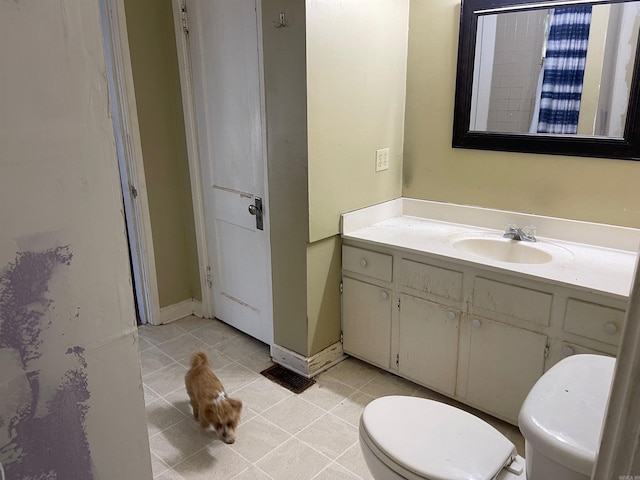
{"x": 561, "y": 420}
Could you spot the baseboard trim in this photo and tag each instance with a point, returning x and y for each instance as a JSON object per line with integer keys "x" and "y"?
{"x": 174, "y": 312}
{"x": 197, "y": 308}
{"x": 308, "y": 366}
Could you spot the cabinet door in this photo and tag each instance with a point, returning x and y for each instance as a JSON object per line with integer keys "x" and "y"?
{"x": 504, "y": 363}
{"x": 428, "y": 351}
{"x": 366, "y": 321}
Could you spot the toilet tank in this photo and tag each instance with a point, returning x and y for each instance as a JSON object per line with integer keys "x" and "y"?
{"x": 561, "y": 418}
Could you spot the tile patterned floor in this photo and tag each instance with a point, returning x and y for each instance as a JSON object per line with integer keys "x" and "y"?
{"x": 282, "y": 436}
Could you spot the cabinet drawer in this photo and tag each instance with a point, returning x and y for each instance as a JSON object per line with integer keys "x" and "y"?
{"x": 429, "y": 279}
{"x": 517, "y": 302}
{"x": 594, "y": 321}
{"x": 365, "y": 262}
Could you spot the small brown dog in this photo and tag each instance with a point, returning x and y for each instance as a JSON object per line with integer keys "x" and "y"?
{"x": 212, "y": 407}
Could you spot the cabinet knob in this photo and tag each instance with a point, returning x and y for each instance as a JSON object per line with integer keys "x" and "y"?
{"x": 451, "y": 315}
{"x": 610, "y": 328}
{"x": 384, "y": 295}
{"x": 363, "y": 263}
{"x": 475, "y": 323}
{"x": 567, "y": 351}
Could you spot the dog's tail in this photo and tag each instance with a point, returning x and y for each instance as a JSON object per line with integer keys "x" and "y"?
{"x": 198, "y": 359}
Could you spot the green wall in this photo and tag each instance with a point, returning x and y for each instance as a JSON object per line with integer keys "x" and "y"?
{"x": 157, "y": 89}
{"x": 286, "y": 93}
{"x": 588, "y": 189}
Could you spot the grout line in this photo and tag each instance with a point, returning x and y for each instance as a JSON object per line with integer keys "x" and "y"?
{"x": 184, "y": 417}
{"x": 335, "y": 463}
{"x": 163, "y": 463}
{"x": 347, "y": 468}
{"x": 259, "y": 416}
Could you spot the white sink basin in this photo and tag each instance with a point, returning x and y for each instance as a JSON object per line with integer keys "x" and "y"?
{"x": 494, "y": 247}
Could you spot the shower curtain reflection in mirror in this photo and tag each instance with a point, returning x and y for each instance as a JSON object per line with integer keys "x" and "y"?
{"x": 563, "y": 72}
{"x": 557, "y": 71}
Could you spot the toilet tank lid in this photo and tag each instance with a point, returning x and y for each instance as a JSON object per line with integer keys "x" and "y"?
{"x": 563, "y": 413}
{"x": 434, "y": 440}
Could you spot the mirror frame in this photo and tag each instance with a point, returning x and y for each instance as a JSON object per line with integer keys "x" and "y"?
{"x": 627, "y": 147}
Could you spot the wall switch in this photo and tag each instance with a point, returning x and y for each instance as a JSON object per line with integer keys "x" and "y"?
{"x": 382, "y": 159}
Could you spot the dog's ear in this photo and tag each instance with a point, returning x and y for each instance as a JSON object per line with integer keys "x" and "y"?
{"x": 235, "y": 404}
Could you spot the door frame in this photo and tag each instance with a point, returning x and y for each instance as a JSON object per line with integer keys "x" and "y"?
{"x": 190, "y": 129}
{"x": 130, "y": 161}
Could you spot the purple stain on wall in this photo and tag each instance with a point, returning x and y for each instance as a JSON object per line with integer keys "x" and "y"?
{"x": 23, "y": 286}
{"x": 51, "y": 444}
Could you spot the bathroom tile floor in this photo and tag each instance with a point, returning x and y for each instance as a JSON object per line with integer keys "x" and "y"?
{"x": 313, "y": 435}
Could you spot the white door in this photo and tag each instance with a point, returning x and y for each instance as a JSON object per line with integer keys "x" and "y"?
{"x": 226, "y": 59}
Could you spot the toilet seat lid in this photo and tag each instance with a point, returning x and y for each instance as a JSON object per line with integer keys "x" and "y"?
{"x": 421, "y": 438}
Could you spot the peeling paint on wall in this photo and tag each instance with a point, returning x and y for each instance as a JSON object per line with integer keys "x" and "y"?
{"x": 42, "y": 437}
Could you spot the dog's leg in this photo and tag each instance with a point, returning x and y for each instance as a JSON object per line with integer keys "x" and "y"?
{"x": 204, "y": 423}
{"x": 195, "y": 408}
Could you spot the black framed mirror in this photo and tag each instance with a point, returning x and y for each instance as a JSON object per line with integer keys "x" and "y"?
{"x": 511, "y": 89}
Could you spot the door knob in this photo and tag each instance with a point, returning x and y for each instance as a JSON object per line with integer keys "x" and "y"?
{"x": 256, "y": 210}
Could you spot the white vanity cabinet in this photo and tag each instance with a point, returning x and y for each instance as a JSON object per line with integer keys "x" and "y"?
{"x": 590, "y": 324}
{"x": 505, "y": 342}
{"x": 482, "y": 337}
{"x": 501, "y": 363}
{"x": 594, "y": 321}
{"x": 366, "y": 330}
{"x": 367, "y": 299}
{"x": 428, "y": 343}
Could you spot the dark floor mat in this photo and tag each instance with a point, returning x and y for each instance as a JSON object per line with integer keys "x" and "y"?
{"x": 288, "y": 379}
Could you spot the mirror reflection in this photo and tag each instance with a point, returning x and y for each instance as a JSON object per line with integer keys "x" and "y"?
{"x": 563, "y": 71}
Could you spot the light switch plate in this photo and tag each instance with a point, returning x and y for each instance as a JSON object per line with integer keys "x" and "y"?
{"x": 382, "y": 159}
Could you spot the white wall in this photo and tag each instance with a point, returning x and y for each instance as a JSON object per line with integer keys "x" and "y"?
{"x": 71, "y": 403}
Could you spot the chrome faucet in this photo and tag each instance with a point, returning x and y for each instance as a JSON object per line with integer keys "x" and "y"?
{"x": 527, "y": 234}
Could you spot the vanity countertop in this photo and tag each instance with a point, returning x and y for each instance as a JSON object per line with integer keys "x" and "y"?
{"x": 605, "y": 265}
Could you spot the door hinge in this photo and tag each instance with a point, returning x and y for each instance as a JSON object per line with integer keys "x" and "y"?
{"x": 546, "y": 351}
{"x": 133, "y": 191}
{"x": 398, "y": 303}
{"x": 341, "y": 287}
{"x": 397, "y": 359}
{"x": 209, "y": 281}
{"x": 183, "y": 15}
{"x": 341, "y": 338}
